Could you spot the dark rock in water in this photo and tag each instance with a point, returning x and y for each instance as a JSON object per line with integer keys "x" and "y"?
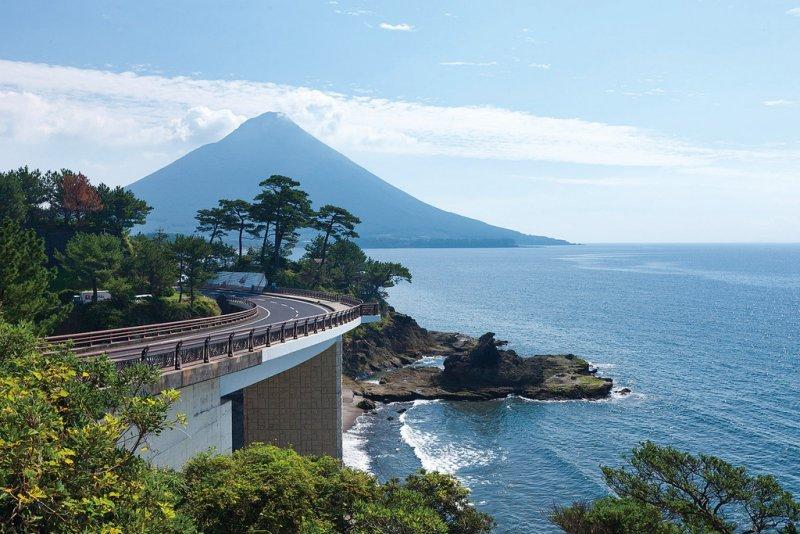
{"x": 390, "y": 418}
{"x": 486, "y": 372}
{"x": 366, "y": 404}
{"x": 402, "y": 410}
{"x": 623, "y": 391}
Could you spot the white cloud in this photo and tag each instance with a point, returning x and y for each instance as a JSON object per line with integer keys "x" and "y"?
{"x": 794, "y": 11}
{"x": 468, "y": 63}
{"x": 780, "y": 103}
{"x": 402, "y": 27}
{"x": 52, "y": 112}
{"x": 544, "y": 66}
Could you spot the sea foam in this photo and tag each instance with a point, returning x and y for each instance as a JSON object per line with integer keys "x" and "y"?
{"x": 435, "y": 453}
{"x": 354, "y": 443}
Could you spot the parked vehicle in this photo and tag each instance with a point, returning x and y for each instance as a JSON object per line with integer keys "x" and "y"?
{"x": 85, "y": 297}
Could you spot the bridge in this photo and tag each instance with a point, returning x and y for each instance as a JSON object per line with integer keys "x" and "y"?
{"x": 269, "y": 372}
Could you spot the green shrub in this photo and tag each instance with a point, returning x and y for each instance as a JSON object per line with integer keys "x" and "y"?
{"x": 62, "y": 420}
{"x": 266, "y": 488}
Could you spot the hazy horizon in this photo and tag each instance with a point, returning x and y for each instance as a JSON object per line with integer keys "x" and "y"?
{"x": 605, "y": 123}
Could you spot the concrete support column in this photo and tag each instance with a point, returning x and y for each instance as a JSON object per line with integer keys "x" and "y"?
{"x": 300, "y": 407}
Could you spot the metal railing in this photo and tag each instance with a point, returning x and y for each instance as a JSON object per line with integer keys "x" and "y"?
{"x": 107, "y": 338}
{"x": 173, "y": 355}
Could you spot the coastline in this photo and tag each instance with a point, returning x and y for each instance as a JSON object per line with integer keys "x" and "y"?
{"x": 350, "y": 411}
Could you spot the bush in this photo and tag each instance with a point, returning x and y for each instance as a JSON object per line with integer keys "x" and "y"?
{"x": 62, "y": 421}
{"x": 266, "y": 488}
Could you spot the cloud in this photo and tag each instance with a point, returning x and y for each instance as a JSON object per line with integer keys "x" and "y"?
{"x": 780, "y": 102}
{"x": 544, "y": 66}
{"x": 402, "y": 27}
{"x": 795, "y": 11}
{"x": 203, "y": 125}
{"x": 51, "y": 111}
{"x": 468, "y": 63}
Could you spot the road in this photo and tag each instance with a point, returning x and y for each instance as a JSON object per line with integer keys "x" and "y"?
{"x": 272, "y": 309}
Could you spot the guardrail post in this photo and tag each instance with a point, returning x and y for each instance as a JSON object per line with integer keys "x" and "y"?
{"x": 283, "y": 332}
{"x": 294, "y": 330}
{"x": 305, "y": 329}
{"x": 178, "y": 354}
{"x": 230, "y": 344}
{"x": 250, "y": 340}
{"x": 269, "y": 335}
{"x": 316, "y": 324}
{"x": 206, "y": 355}
{"x": 144, "y": 354}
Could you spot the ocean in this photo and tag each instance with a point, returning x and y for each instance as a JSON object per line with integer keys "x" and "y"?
{"x": 707, "y": 337}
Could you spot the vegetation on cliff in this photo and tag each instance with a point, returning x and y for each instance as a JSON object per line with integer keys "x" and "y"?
{"x": 393, "y": 342}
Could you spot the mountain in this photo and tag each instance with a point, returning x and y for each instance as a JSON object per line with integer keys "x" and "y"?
{"x": 273, "y": 144}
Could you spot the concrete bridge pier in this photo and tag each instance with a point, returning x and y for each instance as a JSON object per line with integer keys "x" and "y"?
{"x": 299, "y": 408}
{"x": 288, "y": 394}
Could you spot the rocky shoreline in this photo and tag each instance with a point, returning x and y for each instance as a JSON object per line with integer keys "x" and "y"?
{"x": 474, "y": 369}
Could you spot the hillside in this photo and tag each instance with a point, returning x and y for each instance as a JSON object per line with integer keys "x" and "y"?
{"x": 273, "y": 144}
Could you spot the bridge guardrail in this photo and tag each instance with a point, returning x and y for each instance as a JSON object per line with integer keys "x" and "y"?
{"x": 174, "y": 355}
{"x": 90, "y": 340}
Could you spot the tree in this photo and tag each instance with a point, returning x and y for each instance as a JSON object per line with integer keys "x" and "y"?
{"x": 336, "y": 223}
{"x": 215, "y": 222}
{"x": 154, "y": 264}
{"x": 263, "y": 213}
{"x": 292, "y": 210}
{"x": 92, "y": 259}
{"x": 239, "y": 217}
{"x": 347, "y": 263}
{"x": 14, "y": 205}
{"x": 688, "y": 493}
{"x": 263, "y": 488}
{"x": 70, "y": 431}
{"x": 192, "y": 253}
{"x": 78, "y": 197}
{"x": 380, "y": 275}
{"x": 121, "y": 211}
{"x": 25, "y": 280}
{"x": 23, "y": 192}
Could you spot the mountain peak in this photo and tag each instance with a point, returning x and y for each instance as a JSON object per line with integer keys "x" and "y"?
{"x": 267, "y": 126}
{"x": 271, "y": 143}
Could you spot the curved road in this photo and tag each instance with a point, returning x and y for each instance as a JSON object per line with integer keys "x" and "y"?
{"x": 272, "y": 309}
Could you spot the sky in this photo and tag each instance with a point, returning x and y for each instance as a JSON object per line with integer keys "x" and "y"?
{"x": 592, "y": 121}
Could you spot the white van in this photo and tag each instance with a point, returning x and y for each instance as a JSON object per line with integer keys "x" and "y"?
{"x": 85, "y": 297}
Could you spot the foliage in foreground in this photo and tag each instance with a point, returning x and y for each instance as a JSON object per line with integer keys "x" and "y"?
{"x": 266, "y": 488}
{"x": 665, "y": 490}
{"x": 61, "y": 421}
{"x": 69, "y": 431}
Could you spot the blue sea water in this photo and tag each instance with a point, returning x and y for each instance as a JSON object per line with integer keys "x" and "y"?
{"x": 706, "y": 336}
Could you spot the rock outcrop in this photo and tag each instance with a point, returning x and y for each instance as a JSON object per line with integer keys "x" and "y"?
{"x": 480, "y": 370}
{"x": 395, "y": 342}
